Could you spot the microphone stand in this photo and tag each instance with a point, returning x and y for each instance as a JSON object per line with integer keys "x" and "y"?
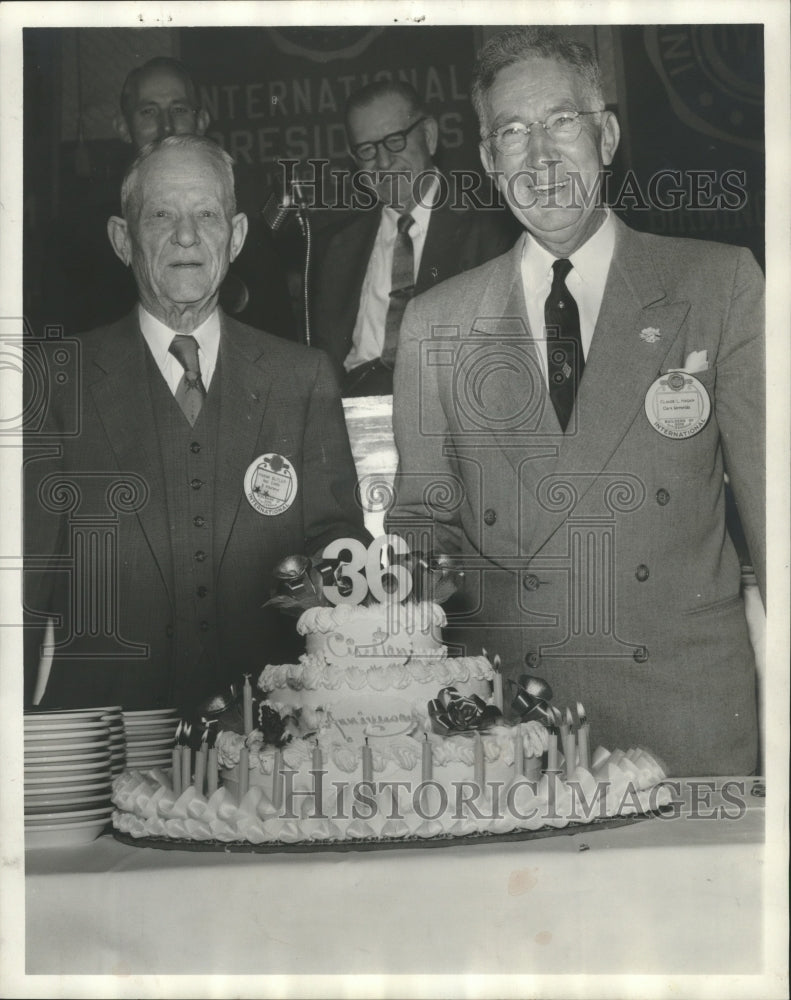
{"x": 304, "y": 224}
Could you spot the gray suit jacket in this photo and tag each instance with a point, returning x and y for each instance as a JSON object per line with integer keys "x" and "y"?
{"x": 598, "y": 559}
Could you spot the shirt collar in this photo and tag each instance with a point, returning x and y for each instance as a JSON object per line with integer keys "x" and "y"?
{"x": 591, "y": 261}
{"x": 159, "y": 336}
{"x": 421, "y": 213}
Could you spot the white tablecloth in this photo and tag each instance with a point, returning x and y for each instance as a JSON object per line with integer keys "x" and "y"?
{"x": 670, "y": 896}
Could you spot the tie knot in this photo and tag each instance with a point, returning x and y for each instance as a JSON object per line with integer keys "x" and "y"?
{"x": 561, "y": 268}
{"x": 404, "y": 223}
{"x": 184, "y": 347}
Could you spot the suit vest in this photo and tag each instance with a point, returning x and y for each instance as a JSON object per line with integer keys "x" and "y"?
{"x": 188, "y": 463}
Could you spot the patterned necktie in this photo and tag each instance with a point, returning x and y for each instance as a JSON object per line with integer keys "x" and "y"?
{"x": 565, "y": 360}
{"x": 402, "y": 287}
{"x": 191, "y": 391}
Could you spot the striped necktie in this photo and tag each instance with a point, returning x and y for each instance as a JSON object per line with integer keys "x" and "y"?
{"x": 402, "y": 287}
{"x": 191, "y": 391}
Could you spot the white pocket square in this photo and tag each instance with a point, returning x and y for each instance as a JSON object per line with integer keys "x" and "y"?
{"x": 697, "y": 361}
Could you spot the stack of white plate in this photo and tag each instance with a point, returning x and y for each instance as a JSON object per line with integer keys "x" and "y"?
{"x": 150, "y": 737}
{"x": 67, "y": 777}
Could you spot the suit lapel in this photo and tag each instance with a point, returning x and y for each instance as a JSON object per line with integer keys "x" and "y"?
{"x": 349, "y": 271}
{"x": 442, "y": 247}
{"x": 123, "y": 404}
{"x": 518, "y": 413}
{"x": 244, "y": 386}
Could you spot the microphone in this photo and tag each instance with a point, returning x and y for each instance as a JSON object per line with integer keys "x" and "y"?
{"x": 278, "y": 209}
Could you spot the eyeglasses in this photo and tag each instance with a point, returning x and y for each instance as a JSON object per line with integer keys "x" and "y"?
{"x": 176, "y": 111}
{"x": 562, "y": 126}
{"x": 395, "y": 142}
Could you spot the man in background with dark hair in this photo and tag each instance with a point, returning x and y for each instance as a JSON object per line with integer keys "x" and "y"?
{"x": 368, "y": 268}
{"x": 159, "y": 99}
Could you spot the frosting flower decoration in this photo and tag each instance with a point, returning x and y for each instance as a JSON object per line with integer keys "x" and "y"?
{"x": 451, "y": 712}
{"x": 532, "y": 698}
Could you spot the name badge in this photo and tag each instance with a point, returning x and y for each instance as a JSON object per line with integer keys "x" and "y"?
{"x": 677, "y": 405}
{"x": 270, "y": 484}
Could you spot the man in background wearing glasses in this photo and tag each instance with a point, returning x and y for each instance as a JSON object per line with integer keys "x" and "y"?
{"x": 564, "y": 416}
{"x": 369, "y": 266}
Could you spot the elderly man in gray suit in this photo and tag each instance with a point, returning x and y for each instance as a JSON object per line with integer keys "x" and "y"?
{"x": 565, "y": 415}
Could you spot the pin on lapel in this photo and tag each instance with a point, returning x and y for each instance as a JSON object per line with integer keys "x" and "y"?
{"x": 650, "y": 335}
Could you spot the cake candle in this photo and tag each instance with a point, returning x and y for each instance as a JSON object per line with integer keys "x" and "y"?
{"x": 200, "y": 766}
{"x": 571, "y": 747}
{"x": 247, "y": 705}
{"x": 427, "y": 761}
{"x": 212, "y": 772}
{"x": 519, "y": 752}
{"x": 244, "y": 772}
{"x": 497, "y": 685}
{"x": 175, "y": 773}
{"x": 584, "y": 738}
{"x": 479, "y": 772}
{"x": 277, "y": 787}
{"x": 564, "y": 733}
{"x": 368, "y": 762}
{"x": 186, "y": 767}
{"x": 552, "y": 752}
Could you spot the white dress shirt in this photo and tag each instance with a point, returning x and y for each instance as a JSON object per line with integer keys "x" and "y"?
{"x": 586, "y": 281}
{"x": 159, "y": 338}
{"x": 369, "y": 330}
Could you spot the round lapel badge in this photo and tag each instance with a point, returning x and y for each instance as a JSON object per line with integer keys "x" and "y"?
{"x": 677, "y": 405}
{"x": 270, "y": 484}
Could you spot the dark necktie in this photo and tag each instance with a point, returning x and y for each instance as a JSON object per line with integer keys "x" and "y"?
{"x": 402, "y": 287}
{"x": 565, "y": 360}
{"x": 191, "y": 391}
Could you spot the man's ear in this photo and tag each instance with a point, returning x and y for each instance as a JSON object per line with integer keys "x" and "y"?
{"x": 610, "y": 137}
{"x": 431, "y": 132}
{"x": 118, "y": 232}
{"x": 487, "y": 160}
{"x": 238, "y": 234}
{"x": 121, "y": 128}
{"x": 202, "y": 122}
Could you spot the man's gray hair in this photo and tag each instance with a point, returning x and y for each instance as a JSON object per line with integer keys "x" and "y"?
{"x": 222, "y": 161}
{"x": 516, "y": 44}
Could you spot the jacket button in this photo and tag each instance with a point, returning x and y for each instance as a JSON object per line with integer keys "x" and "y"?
{"x": 169, "y": 631}
{"x": 200, "y": 555}
{"x": 204, "y": 626}
{"x": 199, "y": 521}
{"x": 194, "y": 447}
{"x": 532, "y": 659}
{"x": 489, "y": 516}
{"x": 202, "y": 591}
{"x": 662, "y": 497}
{"x": 530, "y": 582}
{"x": 196, "y": 483}
{"x": 642, "y": 573}
{"x": 640, "y": 655}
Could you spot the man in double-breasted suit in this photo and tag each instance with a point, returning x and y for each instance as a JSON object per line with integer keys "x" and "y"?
{"x": 565, "y": 430}
{"x": 357, "y": 298}
{"x": 193, "y": 454}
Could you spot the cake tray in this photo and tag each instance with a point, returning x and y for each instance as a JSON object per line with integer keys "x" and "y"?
{"x": 387, "y": 843}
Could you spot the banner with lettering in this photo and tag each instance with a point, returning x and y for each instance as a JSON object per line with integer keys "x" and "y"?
{"x": 275, "y": 93}
{"x": 693, "y": 142}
